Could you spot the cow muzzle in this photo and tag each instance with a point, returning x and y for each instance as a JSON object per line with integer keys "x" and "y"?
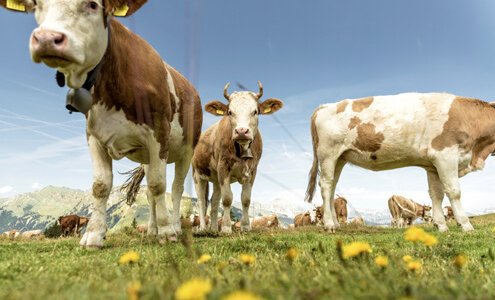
{"x": 50, "y": 47}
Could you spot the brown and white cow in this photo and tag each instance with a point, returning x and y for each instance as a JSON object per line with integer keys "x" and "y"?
{"x": 229, "y": 151}
{"x": 341, "y": 209}
{"x": 195, "y": 221}
{"x": 270, "y": 221}
{"x": 448, "y": 212}
{"x": 69, "y": 224}
{"x": 405, "y": 211}
{"x": 447, "y": 135}
{"x": 303, "y": 219}
{"x": 32, "y": 234}
{"x": 83, "y": 222}
{"x": 138, "y": 106}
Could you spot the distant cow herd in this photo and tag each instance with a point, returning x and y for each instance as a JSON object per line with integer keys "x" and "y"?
{"x": 151, "y": 114}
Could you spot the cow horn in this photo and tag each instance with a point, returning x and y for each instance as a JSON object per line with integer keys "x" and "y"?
{"x": 260, "y": 94}
{"x": 225, "y": 93}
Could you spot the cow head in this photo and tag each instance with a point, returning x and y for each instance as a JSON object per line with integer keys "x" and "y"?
{"x": 242, "y": 112}
{"x": 425, "y": 211}
{"x": 72, "y": 35}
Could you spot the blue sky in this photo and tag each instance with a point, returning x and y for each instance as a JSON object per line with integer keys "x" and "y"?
{"x": 304, "y": 52}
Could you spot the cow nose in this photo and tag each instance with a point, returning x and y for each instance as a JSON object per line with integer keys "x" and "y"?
{"x": 49, "y": 39}
{"x": 242, "y": 131}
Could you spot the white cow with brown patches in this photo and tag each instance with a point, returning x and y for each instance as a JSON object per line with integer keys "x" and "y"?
{"x": 405, "y": 211}
{"x": 137, "y": 106}
{"x": 229, "y": 151}
{"x": 447, "y": 135}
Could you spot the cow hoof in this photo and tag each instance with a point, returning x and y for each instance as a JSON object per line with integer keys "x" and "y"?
{"x": 442, "y": 227}
{"x": 226, "y": 229}
{"x": 92, "y": 240}
{"x": 467, "y": 227}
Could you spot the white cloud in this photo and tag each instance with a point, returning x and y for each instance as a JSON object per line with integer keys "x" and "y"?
{"x": 36, "y": 186}
{"x": 6, "y": 189}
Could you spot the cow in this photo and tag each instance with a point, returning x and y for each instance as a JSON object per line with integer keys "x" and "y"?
{"x": 69, "y": 224}
{"x": 32, "y": 234}
{"x": 357, "y": 221}
{"x": 405, "y": 211}
{"x": 270, "y": 221}
{"x": 303, "y": 219}
{"x": 229, "y": 151}
{"x": 83, "y": 222}
{"x": 449, "y": 136}
{"x": 448, "y": 212}
{"x": 341, "y": 209}
{"x": 194, "y": 219}
{"x": 135, "y": 104}
{"x": 12, "y": 234}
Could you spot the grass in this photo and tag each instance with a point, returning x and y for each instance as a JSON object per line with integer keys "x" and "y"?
{"x": 60, "y": 269}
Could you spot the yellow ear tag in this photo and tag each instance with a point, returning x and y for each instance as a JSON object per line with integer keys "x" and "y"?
{"x": 219, "y": 112}
{"x": 15, "y": 5}
{"x": 267, "y": 110}
{"x": 121, "y": 11}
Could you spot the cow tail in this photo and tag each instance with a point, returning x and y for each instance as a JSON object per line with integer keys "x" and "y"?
{"x": 313, "y": 173}
{"x": 132, "y": 184}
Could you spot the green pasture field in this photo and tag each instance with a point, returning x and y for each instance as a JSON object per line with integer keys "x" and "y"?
{"x": 60, "y": 269}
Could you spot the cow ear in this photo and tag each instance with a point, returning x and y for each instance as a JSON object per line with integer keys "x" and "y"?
{"x": 18, "y": 5}
{"x": 123, "y": 8}
{"x": 216, "y": 108}
{"x": 270, "y": 106}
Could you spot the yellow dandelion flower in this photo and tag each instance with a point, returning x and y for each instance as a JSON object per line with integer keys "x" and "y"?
{"x": 291, "y": 254}
{"x": 414, "y": 266}
{"x": 129, "y": 257}
{"x": 460, "y": 261}
{"x": 247, "y": 259}
{"x": 194, "y": 289}
{"x": 134, "y": 290}
{"x": 407, "y": 258}
{"x": 414, "y": 234}
{"x": 429, "y": 240}
{"x": 241, "y": 295}
{"x": 381, "y": 261}
{"x": 204, "y": 259}
{"x": 354, "y": 249}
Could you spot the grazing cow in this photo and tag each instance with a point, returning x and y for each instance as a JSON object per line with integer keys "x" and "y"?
{"x": 404, "y": 211}
{"x": 448, "y": 212}
{"x": 69, "y": 224}
{"x": 270, "y": 221}
{"x": 357, "y": 221}
{"x": 447, "y": 135}
{"x": 303, "y": 219}
{"x": 341, "y": 209}
{"x": 83, "y": 222}
{"x": 229, "y": 151}
{"x": 32, "y": 234}
{"x": 136, "y": 105}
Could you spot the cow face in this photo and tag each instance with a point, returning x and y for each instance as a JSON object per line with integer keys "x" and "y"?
{"x": 72, "y": 35}
{"x": 242, "y": 112}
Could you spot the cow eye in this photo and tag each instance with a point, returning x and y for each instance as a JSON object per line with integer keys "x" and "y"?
{"x": 92, "y": 5}
{"x": 255, "y": 112}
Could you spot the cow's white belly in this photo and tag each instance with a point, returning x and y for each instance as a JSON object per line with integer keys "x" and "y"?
{"x": 121, "y": 137}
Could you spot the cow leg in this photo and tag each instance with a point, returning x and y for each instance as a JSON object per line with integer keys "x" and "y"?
{"x": 246, "y": 201}
{"x": 450, "y": 180}
{"x": 201, "y": 187}
{"x": 226, "y": 202}
{"x": 327, "y": 187}
{"x": 102, "y": 185}
{"x": 156, "y": 180}
{"x": 435, "y": 189}
{"x": 215, "y": 203}
{"x": 181, "y": 169}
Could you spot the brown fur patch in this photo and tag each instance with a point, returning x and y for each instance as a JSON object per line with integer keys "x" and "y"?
{"x": 471, "y": 125}
{"x": 341, "y": 106}
{"x": 355, "y": 121}
{"x": 367, "y": 138}
{"x": 361, "y": 104}
{"x": 340, "y": 205}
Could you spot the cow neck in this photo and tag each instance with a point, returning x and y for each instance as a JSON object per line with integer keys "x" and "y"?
{"x": 80, "y": 100}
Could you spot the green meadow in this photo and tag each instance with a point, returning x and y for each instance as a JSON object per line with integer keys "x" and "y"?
{"x": 313, "y": 269}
